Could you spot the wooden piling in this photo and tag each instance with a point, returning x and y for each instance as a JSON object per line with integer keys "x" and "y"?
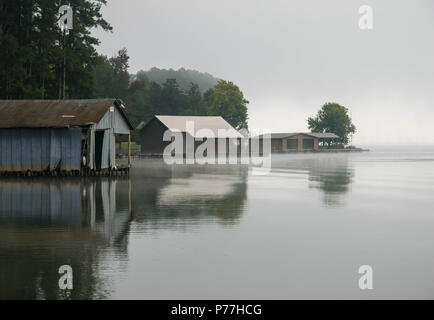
{"x": 129, "y": 150}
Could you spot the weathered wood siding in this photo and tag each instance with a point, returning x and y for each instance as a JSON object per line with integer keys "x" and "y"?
{"x": 39, "y": 149}
{"x": 42, "y": 203}
{"x": 112, "y": 123}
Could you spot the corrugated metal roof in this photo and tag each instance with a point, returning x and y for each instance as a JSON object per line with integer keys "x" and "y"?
{"x": 55, "y": 113}
{"x": 311, "y": 134}
{"x": 214, "y": 124}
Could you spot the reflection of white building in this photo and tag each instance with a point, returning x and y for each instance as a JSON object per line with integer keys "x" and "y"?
{"x": 196, "y": 188}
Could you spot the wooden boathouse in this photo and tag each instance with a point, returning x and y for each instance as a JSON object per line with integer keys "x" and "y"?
{"x": 203, "y": 128}
{"x": 300, "y": 141}
{"x": 68, "y": 137}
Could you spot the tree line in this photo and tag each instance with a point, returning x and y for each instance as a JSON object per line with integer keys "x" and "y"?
{"x": 183, "y": 76}
{"x": 40, "y": 61}
{"x": 146, "y": 98}
{"x": 37, "y": 59}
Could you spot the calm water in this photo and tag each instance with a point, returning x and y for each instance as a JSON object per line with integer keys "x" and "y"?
{"x": 220, "y": 232}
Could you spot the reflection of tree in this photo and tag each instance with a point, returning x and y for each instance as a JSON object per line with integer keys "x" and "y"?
{"x": 332, "y": 176}
{"x": 229, "y": 209}
{"x": 185, "y": 196}
{"x": 46, "y": 223}
{"x": 32, "y": 273}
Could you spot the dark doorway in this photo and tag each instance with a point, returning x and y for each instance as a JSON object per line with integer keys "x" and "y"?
{"x": 99, "y": 141}
{"x": 308, "y": 144}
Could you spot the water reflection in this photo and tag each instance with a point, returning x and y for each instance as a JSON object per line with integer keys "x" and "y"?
{"x": 87, "y": 223}
{"x": 171, "y": 197}
{"x": 46, "y": 223}
{"x": 206, "y": 231}
{"x": 332, "y": 175}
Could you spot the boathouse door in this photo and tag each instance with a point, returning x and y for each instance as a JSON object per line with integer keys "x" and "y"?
{"x": 99, "y": 143}
{"x": 308, "y": 144}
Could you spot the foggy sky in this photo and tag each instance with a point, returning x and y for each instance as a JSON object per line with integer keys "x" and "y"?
{"x": 289, "y": 57}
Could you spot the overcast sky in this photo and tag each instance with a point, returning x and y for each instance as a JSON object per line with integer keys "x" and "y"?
{"x": 291, "y": 56}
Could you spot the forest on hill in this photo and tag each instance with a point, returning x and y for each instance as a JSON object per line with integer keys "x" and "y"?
{"x": 145, "y": 98}
{"x": 183, "y": 77}
{"x": 39, "y": 60}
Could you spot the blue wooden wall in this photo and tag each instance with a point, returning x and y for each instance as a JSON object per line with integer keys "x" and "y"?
{"x": 39, "y": 149}
{"x": 46, "y": 202}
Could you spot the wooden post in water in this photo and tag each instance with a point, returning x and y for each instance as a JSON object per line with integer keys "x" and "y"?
{"x": 129, "y": 198}
{"x": 129, "y": 150}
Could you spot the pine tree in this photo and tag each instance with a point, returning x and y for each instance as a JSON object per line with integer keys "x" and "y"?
{"x": 33, "y": 49}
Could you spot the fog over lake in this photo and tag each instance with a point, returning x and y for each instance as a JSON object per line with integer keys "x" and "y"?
{"x": 198, "y": 232}
{"x": 290, "y": 57}
{"x": 82, "y": 130}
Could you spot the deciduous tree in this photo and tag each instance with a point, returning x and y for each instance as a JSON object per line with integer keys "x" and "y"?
{"x": 333, "y": 118}
{"x": 227, "y": 100}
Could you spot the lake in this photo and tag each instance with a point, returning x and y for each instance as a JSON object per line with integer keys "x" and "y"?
{"x": 220, "y": 232}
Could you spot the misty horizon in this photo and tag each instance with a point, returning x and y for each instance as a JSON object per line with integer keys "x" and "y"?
{"x": 289, "y": 58}
{"x": 186, "y": 154}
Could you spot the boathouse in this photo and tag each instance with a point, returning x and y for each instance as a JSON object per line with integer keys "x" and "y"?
{"x": 198, "y": 128}
{"x": 300, "y": 141}
{"x": 61, "y": 135}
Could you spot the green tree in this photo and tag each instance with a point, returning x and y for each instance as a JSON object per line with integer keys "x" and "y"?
{"x": 79, "y": 47}
{"x": 113, "y": 79}
{"x": 194, "y": 98}
{"x": 174, "y": 101}
{"x": 33, "y": 49}
{"x": 333, "y": 118}
{"x": 227, "y": 100}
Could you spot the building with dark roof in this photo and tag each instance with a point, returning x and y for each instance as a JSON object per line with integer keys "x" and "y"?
{"x": 60, "y": 135}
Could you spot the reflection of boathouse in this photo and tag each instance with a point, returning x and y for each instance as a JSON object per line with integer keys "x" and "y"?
{"x": 61, "y": 135}
{"x": 99, "y": 205}
{"x": 46, "y": 223}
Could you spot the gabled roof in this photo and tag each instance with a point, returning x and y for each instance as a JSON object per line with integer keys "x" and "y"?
{"x": 213, "y": 124}
{"x": 55, "y": 113}
{"x": 318, "y": 135}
